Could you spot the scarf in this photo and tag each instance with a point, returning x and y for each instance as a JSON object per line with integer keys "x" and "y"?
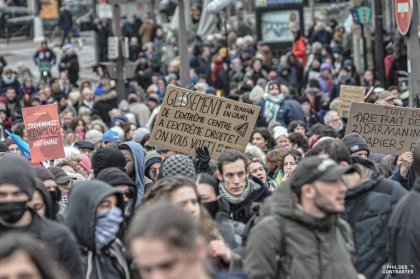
{"x": 272, "y": 106}
{"x": 250, "y": 187}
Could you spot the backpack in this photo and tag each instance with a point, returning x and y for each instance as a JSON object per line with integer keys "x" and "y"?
{"x": 282, "y": 256}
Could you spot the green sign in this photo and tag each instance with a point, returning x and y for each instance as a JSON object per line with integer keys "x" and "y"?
{"x": 365, "y": 14}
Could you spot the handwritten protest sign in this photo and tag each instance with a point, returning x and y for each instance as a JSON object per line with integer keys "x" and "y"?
{"x": 387, "y": 129}
{"x": 43, "y": 128}
{"x": 348, "y": 95}
{"x": 189, "y": 120}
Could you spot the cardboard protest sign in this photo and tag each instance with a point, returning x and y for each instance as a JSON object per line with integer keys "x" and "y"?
{"x": 348, "y": 95}
{"x": 189, "y": 120}
{"x": 387, "y": 129}
{"x": 43, "y": 128}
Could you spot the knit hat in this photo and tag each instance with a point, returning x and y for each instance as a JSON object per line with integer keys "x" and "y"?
{"x": 86, "y": 163}
{"x": 257, "y": 93}
{"x": 43, "y": 174}
{"x": 354, "y": 143}
{"x": 93, "y": 136}
{"x": 151, "y": 158}
{"x": 115, "y": 177}
{"x": 153, "y": 97}
{"x": 107, "y": 157}
{"x": 178, "y": 164}
{"x": 325, "y": 66}
{"x": 17, "y": 171}
{"x": 140, "y": 133}
{"x": 60, "y": 175}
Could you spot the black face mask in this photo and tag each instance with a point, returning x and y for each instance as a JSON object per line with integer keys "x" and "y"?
{"x": 11, "y": 212}
{"x": 212, "y": 207}
{"x": 55, "y": 197}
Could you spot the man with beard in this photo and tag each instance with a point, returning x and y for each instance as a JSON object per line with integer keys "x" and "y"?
{"x": 370, "y": 200}
{"x": 333, "y": 120}
{"x": 303, "y": 237}
{"x": 17, "y": 186}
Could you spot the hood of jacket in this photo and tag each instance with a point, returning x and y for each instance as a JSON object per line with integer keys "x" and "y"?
{"x": 139, "y": 158}
{"x": 370, "y": 176}
{"x": 285, "y": 203}
{"x": 80, "y": 214}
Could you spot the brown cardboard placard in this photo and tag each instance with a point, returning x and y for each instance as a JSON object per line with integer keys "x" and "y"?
{"x": 387, "y": 129}
{"x": 188, "y": 120}
{"x": 348, "y": 95}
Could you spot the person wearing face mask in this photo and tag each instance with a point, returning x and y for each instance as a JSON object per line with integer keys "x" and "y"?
{"x": 95, "y": 214}
{"x": 17, "y": 187}
{"x": 218, "y": 208}
{"x": 124, "y": 184}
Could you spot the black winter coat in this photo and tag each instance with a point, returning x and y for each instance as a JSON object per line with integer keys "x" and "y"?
{"x": 57, "y": 238}
{"x": 368, "y": 210}
{"x": 404, "y": 232}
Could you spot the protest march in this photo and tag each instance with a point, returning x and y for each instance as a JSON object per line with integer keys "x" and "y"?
{"x": 279, "y": 160}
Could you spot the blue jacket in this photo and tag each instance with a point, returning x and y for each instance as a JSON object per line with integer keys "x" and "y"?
{"x": 284, "y": 115}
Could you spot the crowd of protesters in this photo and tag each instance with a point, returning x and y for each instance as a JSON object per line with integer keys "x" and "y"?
{"x": 303, "y": 201}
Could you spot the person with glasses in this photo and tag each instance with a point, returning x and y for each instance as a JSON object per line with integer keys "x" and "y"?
{"x": 236, "y": 185}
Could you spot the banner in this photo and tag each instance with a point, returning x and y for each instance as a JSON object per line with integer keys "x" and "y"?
{"x": 189, "y": 120}
{"x": 43, "y": 129}
{"x": 348, "y": 95}
{"x": 387, "y": 129}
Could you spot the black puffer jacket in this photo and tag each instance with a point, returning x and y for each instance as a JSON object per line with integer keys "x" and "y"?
{"x": 80, "y": 216}
{"x": 404, "y": 233}
{"x": 368, "y": 210}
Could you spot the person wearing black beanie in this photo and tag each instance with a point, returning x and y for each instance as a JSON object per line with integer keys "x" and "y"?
{"x": 124, "y": 184}
{"x": 107, "y": 157}
{"x": 17, "y": 187}
{"x": 356, "y": 145}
